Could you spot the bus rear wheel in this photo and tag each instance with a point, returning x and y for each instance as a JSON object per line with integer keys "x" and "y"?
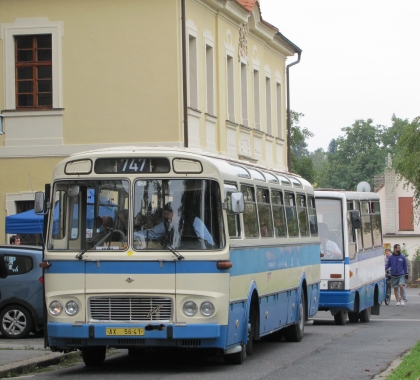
{"x": 295, "y": 332}
{"x": 364, "y": 315}
{"x": 340, "y": 318}
{"x": 93, "y": 356}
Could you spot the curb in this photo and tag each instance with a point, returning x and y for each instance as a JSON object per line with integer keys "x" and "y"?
{"x": 40, "y": 361}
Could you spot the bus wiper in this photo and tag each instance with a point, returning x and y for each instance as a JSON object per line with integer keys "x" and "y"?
{"x": 167, "y": 246}
{"x": 104, "y": 238}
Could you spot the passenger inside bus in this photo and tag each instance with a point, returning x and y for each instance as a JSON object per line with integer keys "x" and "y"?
{"x": 329, "y": 248}
{"x": 169, "y": 230}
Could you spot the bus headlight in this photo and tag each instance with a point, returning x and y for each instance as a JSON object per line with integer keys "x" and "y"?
{"x": 72, "y": 308}
{"x": 55, "y": 308}
{"x": 190, "y": 308}
{"x": 207, "y": 309}
{"x": 336, "y": 285}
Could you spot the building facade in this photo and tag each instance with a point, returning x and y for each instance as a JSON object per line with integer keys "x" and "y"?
{"x": 398, "y": 222}
{"x": 77, "y": 75}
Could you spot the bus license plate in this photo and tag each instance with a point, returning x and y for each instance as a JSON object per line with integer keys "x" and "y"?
{"x": 124, "y": 331}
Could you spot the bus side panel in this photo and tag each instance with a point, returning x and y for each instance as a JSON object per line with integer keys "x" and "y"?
{"x": 278, "y": 272}
{"x": 313, "y": 299}
{"x": 236, "y": 323}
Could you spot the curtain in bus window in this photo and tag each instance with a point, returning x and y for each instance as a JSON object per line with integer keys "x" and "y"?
{"x": 264, "y": 213}
{"x": 250, "y": 213}
{"x": 351, "y": 238}
{"x": 278, "y": 214}
{"x": 291, "y": 215}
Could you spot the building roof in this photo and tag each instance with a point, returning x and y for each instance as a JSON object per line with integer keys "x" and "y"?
{"x": 248, "y": 4}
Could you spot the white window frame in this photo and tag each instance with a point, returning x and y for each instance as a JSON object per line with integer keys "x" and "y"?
{"x": 244, "y": 91}
{"x": 210, "y": 73}
{"x": 192, "y": 58}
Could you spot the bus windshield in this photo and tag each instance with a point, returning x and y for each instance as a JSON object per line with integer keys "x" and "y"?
{"x": 330, "y": 228}
{"x": 181, "y": 214}
{"x": 167, "y": 214}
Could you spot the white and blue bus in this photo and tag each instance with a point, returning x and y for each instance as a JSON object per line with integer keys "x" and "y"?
{"x": 353, "y": 282}
{"x": 166, "y": 247}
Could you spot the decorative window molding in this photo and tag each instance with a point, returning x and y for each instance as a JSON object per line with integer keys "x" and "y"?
{"x": 208, "y": 40}
{"x": 32, "y": 26}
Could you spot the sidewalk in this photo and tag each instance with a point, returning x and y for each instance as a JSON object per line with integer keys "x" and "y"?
{"x": 18, "y": 354}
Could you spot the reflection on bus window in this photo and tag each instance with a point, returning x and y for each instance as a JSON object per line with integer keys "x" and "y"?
{"x": 291, "y": 215}
{"x": 278, "y": 214}
{"x": 329, "y": 225}
{"x": 264, "y": 213}
{"x": 303, "y": 215}
{"x": 182, "y": 214}
{"x": 250, "y": 214}
{"x": 232, "y": 218}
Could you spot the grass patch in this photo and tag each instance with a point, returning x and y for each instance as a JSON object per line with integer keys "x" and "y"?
{"x": 409, "y": 369}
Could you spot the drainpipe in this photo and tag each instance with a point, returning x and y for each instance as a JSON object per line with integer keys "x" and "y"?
{"x": 289, "y": 119}
{"x": 184, "y": 74}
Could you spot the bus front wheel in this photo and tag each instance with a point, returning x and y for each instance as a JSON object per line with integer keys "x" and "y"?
{"x": 93, "y": 356}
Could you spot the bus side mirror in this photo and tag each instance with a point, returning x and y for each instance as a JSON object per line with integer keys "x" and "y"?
{"x": 237, "y": 204}
{"x": 355, "y": 219}
{"x": 3, "y": 267}
{"x": 39, "y": 202}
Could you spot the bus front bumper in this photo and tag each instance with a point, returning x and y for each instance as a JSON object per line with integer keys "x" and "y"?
{"x": 66, "y": 336}
{"x": 339, "y": 299}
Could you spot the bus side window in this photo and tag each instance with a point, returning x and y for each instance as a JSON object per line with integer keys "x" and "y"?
{"x": 278, "y": 213}
{"x": 291, "y": 216}
{"x": 250, "y": 214}
{"x": 303, "y": 215}
{"x": 264, "y": 213}
{"x": 352, "y": 238}
{"x": 376, "y": 224}
{"x": 366, "y": 225}
{"x": 232, "y": 219}
{"x": 313, "y": 221}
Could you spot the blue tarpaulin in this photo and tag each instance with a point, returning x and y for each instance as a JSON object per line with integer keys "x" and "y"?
{"x": 24, "y": 223}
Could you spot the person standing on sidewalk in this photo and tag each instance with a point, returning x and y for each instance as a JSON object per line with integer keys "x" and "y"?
{"x": 399, "y": 273}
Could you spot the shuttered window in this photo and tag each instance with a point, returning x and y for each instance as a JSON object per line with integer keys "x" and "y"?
{"x": 405, "y": 213}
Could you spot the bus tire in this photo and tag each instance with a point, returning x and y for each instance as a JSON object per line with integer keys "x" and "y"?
{"x": 364, "y": 315}
{"x": 340, "y": 318}
{"x": 353, "y": 317}
{"x": 236, "y": 358}
{"x": 93, "y": 356}
{"x": 295, "y": 332}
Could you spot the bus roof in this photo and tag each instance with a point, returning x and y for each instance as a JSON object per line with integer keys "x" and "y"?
{"x": 348, "y": 195}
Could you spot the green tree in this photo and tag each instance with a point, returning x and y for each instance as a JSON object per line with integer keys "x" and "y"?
{"x": 357, "y": 156}
{"x": 406, "y": 159}
{"x": 301, "y": 163}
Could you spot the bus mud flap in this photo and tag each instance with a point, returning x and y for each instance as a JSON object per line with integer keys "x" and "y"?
{"x": 375, "y": 310}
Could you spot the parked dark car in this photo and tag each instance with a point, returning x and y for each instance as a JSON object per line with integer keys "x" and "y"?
{"x": 21, "y": 292}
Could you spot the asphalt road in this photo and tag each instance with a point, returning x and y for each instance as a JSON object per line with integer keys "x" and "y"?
{"x": 353, "y": 351}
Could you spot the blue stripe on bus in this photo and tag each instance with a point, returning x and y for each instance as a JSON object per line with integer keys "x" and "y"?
{"x": 266, "y": 259}
{"x": 123, "y": 267}
{"x": 345, "y": 261}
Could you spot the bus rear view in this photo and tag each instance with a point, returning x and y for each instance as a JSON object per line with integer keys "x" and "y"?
{"x": 353, "y": 280}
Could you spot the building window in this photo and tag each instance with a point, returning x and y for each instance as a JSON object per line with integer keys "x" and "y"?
{"x": 33, "y": 61}
{"x": 405, "y": 213}
{"x": 230, "y": 88}
{"x": 257, "y": 99}
{"x": 209, "y": 80}
{"x": 192, "y": 61}
{"x": 244, "y": 94}
{"x": 268, "y": 104}
{"x": 278, "y": 99}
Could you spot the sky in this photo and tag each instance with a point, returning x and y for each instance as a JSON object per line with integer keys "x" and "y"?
{"x": 360, "y": 60}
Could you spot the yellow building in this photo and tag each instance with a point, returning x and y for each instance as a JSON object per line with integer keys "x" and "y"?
{"x": 79, "y": 75}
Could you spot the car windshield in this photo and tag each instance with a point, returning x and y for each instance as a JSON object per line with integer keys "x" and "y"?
{"x": 184, "y": 214}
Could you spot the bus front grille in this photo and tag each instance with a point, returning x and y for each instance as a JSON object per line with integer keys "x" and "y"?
{"x": 130, "y": 309}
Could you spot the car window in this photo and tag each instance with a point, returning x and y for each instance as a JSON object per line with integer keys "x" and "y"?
{"x": 17, "y": 264}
